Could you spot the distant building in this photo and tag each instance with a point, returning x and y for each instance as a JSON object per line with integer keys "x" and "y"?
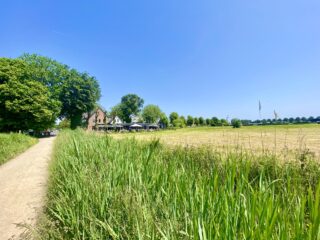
{"x": 98, "y": 120}
{"x": 95, "y": 118}
{"x": 134, "y": 118}
{"x": 115, "y": 121}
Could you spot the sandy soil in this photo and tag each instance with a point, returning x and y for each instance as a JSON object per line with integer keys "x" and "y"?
{"x": 22, "y": 189}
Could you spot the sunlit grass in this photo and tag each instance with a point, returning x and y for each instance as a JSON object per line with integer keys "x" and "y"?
{"x": 13, "y": 144}
{"x": 281, "y": 140}
{"x": 102, "y": 188}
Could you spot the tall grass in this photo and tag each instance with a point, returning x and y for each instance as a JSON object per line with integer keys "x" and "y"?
{"x": 13, "y": 144}
{"x": 101, "y": 188}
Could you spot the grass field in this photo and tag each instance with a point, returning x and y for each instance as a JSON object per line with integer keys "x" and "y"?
{"x": 282, "y": 140}
{"x": 13, "y": 144}
{"x": 103, "y": 188}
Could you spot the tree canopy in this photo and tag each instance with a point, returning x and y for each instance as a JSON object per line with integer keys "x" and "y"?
{"x": 77, "y": 92}
{"x": 151, "y": 113}
{"x": 62, "y": 90}
{"x": 173, "y": 116}
{"x": 24, "y": 103}
{"x": 130, "y": 104}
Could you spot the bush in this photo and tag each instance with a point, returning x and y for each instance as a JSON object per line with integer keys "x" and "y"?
{"x": 236, "y": 123}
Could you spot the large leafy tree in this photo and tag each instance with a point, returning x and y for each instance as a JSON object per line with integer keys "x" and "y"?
{"x": 12, "y": 69}
{"x": 189, "y": 120}
{"x": 24, "y": 103}
{"x": 151, "y": 113}
{"x": 130, "y": 104}
{"x": 77, "y": 92}
{"x": 173, "y": 116}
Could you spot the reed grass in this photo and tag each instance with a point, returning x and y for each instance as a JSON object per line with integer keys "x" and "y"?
{"x": 102, "y": 188}
{"x": 13, "y": 144}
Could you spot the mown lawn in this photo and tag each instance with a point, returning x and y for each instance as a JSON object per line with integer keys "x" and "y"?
{"x": 102, "y": 188}
{"x": 13, "y": 144}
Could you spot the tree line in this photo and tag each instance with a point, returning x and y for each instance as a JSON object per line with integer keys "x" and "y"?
{"x": 132, "y": 104}
{"x": 36, "y": 90}
{"x": 283, "y": 121}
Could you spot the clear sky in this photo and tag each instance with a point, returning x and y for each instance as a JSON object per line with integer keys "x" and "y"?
{"x": 201, "y": 57}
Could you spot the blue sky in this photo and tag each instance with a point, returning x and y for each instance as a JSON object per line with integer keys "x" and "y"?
{"x": 204, "y": 58}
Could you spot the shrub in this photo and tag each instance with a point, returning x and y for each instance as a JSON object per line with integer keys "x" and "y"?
{"x": 236, "y": 123}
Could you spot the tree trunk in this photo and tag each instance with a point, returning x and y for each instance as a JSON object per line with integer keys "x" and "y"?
{"x": 76, "y": 121}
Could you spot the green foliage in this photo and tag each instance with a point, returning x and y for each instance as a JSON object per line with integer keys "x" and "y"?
{"x": 196, "y": 121}
{"x": 183, "y": 120}
{"x": 65, "y": 123}
{"x": 13, "y": 144}
{"x": 130, "y": 104}
{"x": 151, "y": 113}
{"x": 101, "y": 188}
{"x": 215, "y": 122}
{"x": 116, "y": 111}
{"x": 201, "y": 121}
{"x": 12, "y": 69}
{"x": 173, "y": 116}
{"x": 47, "y": 71}
{"x": 236, "y": 123}
{"x": 189, "y": 121}
{"x": 178, "y": 123}
{"x": 48, "y": 90}
{"x": 164, "y": 120}
{"x": 224, "y": 122}
{"x": 24, "y": 103}
{"x": 77, "y": 92}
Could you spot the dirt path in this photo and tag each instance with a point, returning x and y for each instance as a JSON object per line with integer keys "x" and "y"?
{"x": 22, "y": 188}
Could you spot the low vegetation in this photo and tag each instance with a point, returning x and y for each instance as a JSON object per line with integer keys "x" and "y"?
{"x": 13, "y": 144}
{"x": 103, "y": 188}
{"x": 285, "y": 141}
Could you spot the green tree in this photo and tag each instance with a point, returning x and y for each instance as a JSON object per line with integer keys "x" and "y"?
{"x": 116, "y": 111}
{"x": 47, "y": 71}
{"x": 183, "y": 120}
{"x": 13, "y": 69}
{"x": 178, "y": 123}
{"x": 208, "y": 121}
{"x": 164, "y": 121}
{"x": 189, "y": 121}
{"x": 151, "y": 113}
{"x": 130, "y": 104}
{"x": 310, "y": 119}
{"x": 224, "y": 122}
{"x": 26, "y": 105}
{"x": 77, "y": 92}
{"x": 196, "y": 121}
{"x": 201, "y": 121}
{"x": 173, "y": 116}
{"x": 215, "y": 121}
{"x": 64, "y": 123}
{"x": 236, "y": 123}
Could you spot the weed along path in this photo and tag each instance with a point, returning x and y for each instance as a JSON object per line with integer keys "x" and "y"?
{"x": 22, "y": 188}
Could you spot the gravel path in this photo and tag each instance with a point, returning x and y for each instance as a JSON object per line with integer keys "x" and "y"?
{"x": 22, "y": 188}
